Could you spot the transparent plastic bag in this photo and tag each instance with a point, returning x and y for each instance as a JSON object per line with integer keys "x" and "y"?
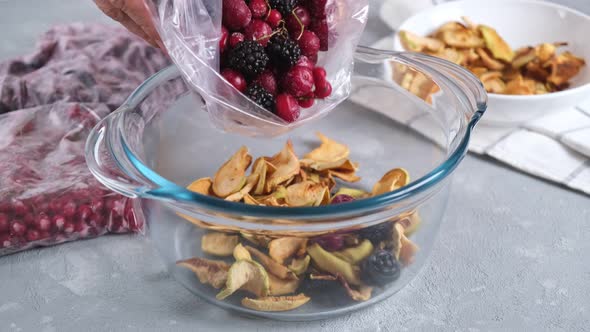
{"x": 191, "y": 30}
{"x": 47, "y": 193}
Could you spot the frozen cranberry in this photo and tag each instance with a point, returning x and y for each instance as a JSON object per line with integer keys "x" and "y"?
{"x": 258, "y": 8}
{"x": 19, "y": 208}
{"x": 32, "y": 235}
{"x": 274, "y": 18}
{"x": 235, "y": 38}
{"x": 223, "y": 39}
{"x": 333, "y": 242}
{"x": 59, "y": 222}
{"x": 287, "y": 107}
{"x": 268, "y": 81}
{"x": 43, "y": 223}
{"x": 298, "y": 81}
{"x": 235, "y": 14}
{"x": 320, "y": 27}
{"x": 258, "y": 30}
{"x": 69, "y": 228}
{"x": 69, "y": 209}
{"x": 18, "y": 228}
{"x": 309, "y": 43}
{"x": 306, "y": 102}
{"x": 4, "y": 224}
{"x": 317, "y": 8}
{"x": 324, "y": 90}
{"x": 235, "y": 78}
{"x": 304, "y": 62}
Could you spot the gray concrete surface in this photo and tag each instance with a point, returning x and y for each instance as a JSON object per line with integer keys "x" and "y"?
{"x": 512, "y": 254}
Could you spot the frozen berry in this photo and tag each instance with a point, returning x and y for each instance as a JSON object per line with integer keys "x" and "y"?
{"x": 4, "y": 225}
{"x": 324, "y": 90}
{"x": 29, "y": 219}
{"x": 5, "y": 241}
{"x": 249, "y": 58}
{"x": 309, "y": 43}
{"x": 33, "y": 235}
{"x": 306, "y": 101}
{"x": 283, "y": 6}
{"x": 97, "y": 205}
{"x": 84, "y": 212}
{"x": 268, "y": 81}
{"x": 317, "y": 8}
{"x": 43, "y": 223}
{"x": 18, "y": 228}
{"x": 261, "y": 97}
{"x": 304, "y": 62}
{"x": 59, "y": 222}
{"x": 236, "y": 14}
{"x": 380, "y": 268}
{"x": 298, "y": 81}
{"x": 283, "y": 53}
{"x": 258, "y": 8}
{"x": 377, "y": 233}
{"x": 319, "y": 75}
{"x": 297, "y": 21}
{"x": 287, "y": 107}
{"x": 223, "y": 40}
{"x": 19, "y": 208}
{"x": 303, "y": 15}
{"x": 258, "y": 30}
{"x": 235, "y": 38}
{"x": 332, "y": 242}
{"x": 235, "y": 78}
{"x": 338, "y": 199}
{"x": 274, "y": 18}
{"x": 69, "y": 228}
{"x": 69, "y": 209}
{"x": 313, "y": 59}
{"x": 320, "y": 27}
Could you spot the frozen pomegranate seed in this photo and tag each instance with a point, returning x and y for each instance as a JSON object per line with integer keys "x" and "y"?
{"x": 43, "y": 223}
{"x": 69, "y": 228}
{"x": 306, "y": 102}
{"x": 287, "y": 107}
{"x": 19, "y": 208}
{"x": 268, "y": 81}
{"x": 235, "y": 78}
{"x": 4, "y": 224}
{"x": 258, "y": 8}
{"x": 298, "y": 81}
{"x": 324, "y": 90}
{"x": 223, "y": 39}
{"x": 69, "y": 209}
{"x": 29, "y": 219}
{"x": 235, "y": 14}
{"x": 235, "y": 39}
{"x": 332, "y": 242}
{"x": 33, "y": 235}
{"x": 309, "y": 43}
{"x": 320, "y": 27}
{"x": 274, "y": 18}
{"x": 258, "y": 30}
{"x": 59, "y": 222}
{"x": 18, "y": 228}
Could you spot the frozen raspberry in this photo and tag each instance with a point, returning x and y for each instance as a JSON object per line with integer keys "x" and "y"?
{"x": 304, "y": 62}
{"x": 258, "y": 8}
{"x": 320, "y": 27}
{"x": 235, "y": 39}
{"x": 324, "y": 90}
{"x": 4, "y": 225}
{"x": 287, "y": 107}
{"x": 317, "y": 8}
{"x": 267, "y": 81}
{"x": 235, "y": 78}
{"x": 18, "y": 228}
{"x": 274, "y": 18}
{"x": 223, "y": 40}
{"x": 258, "y": 30}
{"x": 309, "y": 43}
{"x": 298, "y": 81}
{"x": 236, "y": 14}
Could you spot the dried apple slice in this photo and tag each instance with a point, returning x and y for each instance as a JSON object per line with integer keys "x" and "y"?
{"x": 463, "y": 38}
{"x": 285, "y": 247}
{"x": 563, "y": 68}
{"x": 208, "y": 271}
{"x": 219, "y": 244}
{"x": 495, "y": 44}
{"x": 273, "y": 267}
{"x": 231, "y": 177}
{"x": 523, "y": 56}
{"x": 415, "y": 43}
{"x": 259, "y": 240}
{"x": 352, "y": 192}
{"x": 328, "y": 151}
{"x": 327, "y": 262}
{"x": 520, "y": 86}
{"x": 305, "y": 194}
{"x": 275, "y": 303}
{"x": 355, "y": 255}
{"x": 300, "y": 265}
{"x": 350, "y": 177}
{"x": 241, "y": 253}
{"x": 260, "y": 168}
{"x": 251, "y": 181}
{"x": 408, "y": 250}
{"x": 282, "y": 287}
{"x": 201, "y": 186}
{"x": 490, "y": 63}
{"x": 410, "y": 223}
{"x": 363, "y": 293}
{"x": 396, "y": 239}
{"x": 247, "y": 275}
{"x": 287, "y": 166}
{"x": 251, "y": 200}
{"x": 392, "y": 180}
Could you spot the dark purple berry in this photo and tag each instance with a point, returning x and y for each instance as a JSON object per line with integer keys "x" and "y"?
{"x": 377, "y": 233}
{"x": 332, "y": 242}
{"x": 342, "y": 199}
{"x": 380, "y": 268}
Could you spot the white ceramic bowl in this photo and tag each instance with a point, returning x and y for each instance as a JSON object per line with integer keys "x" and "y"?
{"x": 520, "y": 23}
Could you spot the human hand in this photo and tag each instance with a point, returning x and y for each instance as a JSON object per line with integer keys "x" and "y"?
{"x": 133, "y": 15}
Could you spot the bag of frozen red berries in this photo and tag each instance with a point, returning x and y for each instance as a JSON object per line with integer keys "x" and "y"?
{"x": 263, "y": 67}
{"x": 47, "y": 193}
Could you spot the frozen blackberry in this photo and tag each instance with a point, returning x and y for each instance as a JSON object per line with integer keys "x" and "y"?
{"x": 248, "y": 57}
{"x": 380, "y": 268}
{"x": 285, "y": 7}
{"x": 283, "y": 53}
{"x": 377, "y": 233}
{"x": 261, "y": 97}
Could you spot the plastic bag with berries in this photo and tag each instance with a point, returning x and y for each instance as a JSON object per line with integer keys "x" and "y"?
{"x": 47, "y": 193}
{"x": 263, "y": 67}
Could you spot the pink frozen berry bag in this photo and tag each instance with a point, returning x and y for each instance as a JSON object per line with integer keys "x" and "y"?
{"x": 191, "y": 32}
{"x": 47, "y": 194}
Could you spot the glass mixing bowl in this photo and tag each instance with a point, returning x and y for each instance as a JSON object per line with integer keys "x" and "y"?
{"x": 406, "y": 110}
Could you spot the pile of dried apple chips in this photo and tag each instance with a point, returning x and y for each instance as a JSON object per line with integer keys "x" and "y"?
{"x": 279, "y": 272}
{"x": 526, "y": 71}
